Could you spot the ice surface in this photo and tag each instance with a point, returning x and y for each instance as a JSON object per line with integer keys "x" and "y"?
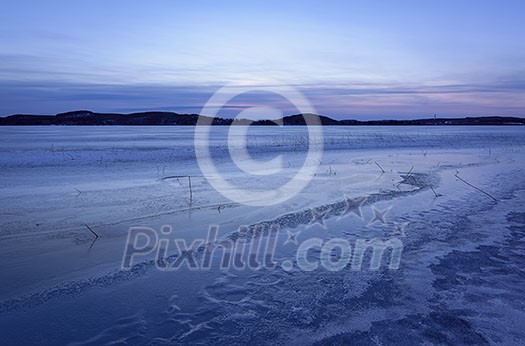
{"x": 461, "y": 274}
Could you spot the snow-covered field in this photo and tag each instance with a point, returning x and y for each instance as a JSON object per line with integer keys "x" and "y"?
{"x": 460, "y": 279}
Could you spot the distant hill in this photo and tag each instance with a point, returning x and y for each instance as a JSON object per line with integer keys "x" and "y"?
{"x": 84, "y": 117}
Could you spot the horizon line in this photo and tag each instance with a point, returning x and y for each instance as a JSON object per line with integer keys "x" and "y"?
{"x": 423, "y": 117}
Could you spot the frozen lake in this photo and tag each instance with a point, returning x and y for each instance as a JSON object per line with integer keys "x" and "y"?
{"x": 453, "y": 197}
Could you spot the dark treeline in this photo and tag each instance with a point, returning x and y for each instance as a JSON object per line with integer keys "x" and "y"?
{"x": 170, "y": 118}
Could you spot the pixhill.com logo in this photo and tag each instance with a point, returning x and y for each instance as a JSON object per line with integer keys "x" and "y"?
{"x": 255, "y": 251}
{"x": 254, "y": 247}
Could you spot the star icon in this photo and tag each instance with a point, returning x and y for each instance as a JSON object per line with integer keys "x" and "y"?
{"x": 353, "y": 206}
{"x": 318, "y": 217}
{"x": 292, "y": 238}
{"x": 379, "y": 215}
{"x": 400, "y": 228}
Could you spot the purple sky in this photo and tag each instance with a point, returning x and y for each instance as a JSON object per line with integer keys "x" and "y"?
{"x": 351, "y": 59}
